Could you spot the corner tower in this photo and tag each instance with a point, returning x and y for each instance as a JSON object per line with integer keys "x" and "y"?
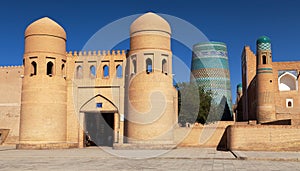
{"x": 265, "y": 110}
{"x": 44, "y": 97}
{"x": 150, "y": 94}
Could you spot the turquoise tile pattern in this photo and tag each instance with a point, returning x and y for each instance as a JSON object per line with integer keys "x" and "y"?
{"x": 210, "y": 69}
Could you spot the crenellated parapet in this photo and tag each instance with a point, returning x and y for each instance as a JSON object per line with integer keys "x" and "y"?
{"x": 114, "y": 53}
{"x": 12, "y": 67}
{"x": 9, "y": 74}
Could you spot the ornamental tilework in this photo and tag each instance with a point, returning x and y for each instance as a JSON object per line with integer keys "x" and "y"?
{"x": 209, "y": 62}
{"x": 211, "y": 71}
{"x": 264, "y": 46}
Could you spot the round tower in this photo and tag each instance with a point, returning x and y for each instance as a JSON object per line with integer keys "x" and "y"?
{"x": 210, "y": 70}
{"x": 265, "y": 110}
{"x": 44, "y": 97}
{"x": 151, "y": 112}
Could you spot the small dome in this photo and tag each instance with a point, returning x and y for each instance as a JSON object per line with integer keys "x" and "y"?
{"x": 263, "y": 39}
{"x": 45, "y": 26}
{"x": 148, "y": 22}
{"x": 239, "y": 85}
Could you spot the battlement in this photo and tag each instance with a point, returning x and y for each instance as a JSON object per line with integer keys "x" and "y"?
{"x": 12, "y": 67}
{"x": 97, "y": 53}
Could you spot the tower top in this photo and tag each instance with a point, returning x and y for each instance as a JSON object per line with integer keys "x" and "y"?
{"x": 150, "y": 22}
{"x": 239, "y": 86}
{"x": 263, "y": 39}
{"x": 263, "y": 43}
{"x": 45, "y": 26}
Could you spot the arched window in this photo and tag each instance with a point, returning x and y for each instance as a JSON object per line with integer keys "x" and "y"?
{"x": 92, "y": 71}
{"x": 264, "y": 59}
{"x": 33, "y": 68}
{"x": 134, "y": 66}
{"x": 50, "y": 69}
{"x": 105, "y": 71}
{"x": 119, "y": 71}
{"x": 79, "y": 72}
{"x": 287, "y": 82}
{"x": 289, "y": 103}
{"x": 149, "y": 66}
{"x": 164, "y": 66}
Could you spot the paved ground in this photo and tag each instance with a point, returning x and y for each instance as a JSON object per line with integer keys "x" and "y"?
{"x": 178, "y": 159}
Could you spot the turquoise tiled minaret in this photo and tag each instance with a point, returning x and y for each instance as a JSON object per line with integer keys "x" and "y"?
{"x": 210, "y": 69}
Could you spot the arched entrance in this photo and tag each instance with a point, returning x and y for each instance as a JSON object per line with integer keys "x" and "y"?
{"x": 100, "y": 122}
{"x": 99, "y": 128}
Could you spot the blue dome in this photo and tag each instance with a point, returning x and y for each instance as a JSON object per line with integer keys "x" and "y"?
{"x": 263, "y": 39}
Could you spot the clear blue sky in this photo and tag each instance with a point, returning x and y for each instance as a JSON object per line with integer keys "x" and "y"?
{"x": 236, "y": 23}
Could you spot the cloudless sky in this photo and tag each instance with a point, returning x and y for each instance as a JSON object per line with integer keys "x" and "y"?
{"x": 236, "y": 23}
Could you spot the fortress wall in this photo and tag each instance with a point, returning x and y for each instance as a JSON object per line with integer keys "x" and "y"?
{"x": 263, "y": 137}
{"x": 10, "y": 101}
{"x": 201, "y": 136}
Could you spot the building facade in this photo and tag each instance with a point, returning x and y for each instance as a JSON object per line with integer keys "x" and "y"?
{"x": 111, "y": 97}
{"x": 270, "y": 89}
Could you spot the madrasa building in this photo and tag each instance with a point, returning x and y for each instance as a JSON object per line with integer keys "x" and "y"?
{"x": 270, "y": 90}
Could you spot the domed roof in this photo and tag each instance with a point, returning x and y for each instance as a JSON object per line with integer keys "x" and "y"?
{"x": 239, "y": 85}
{"x": 263, "y": 39}
{"x": 150, "y": 21}
{"x": 45, "y": 26}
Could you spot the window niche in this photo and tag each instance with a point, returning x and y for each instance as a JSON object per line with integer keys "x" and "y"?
{"x": 63, "y": 69}
{"x": 164, "y": 65}
{"x": 119, "y": 71}
{"x": 264, "y": 59}
{"x": 105, "y": 71}
{"x": 33, "y": 68}
{"x": 133, "y": 67}
{"x": 92, "y": 71}
{"x": 289, "y": 103}
{"x": 79, "y": 72}
{"x": 149, "y": 67}
{"x": 50, "y": 69}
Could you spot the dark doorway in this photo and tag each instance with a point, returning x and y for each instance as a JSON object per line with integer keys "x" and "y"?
{"x": 99, "y": 129}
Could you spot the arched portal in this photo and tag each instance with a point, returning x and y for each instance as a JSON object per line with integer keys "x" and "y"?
{"x": 287, "y": 82}
{"x": 101, "y": 126}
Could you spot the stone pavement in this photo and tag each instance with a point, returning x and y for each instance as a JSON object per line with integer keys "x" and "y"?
{"x": 267, "y": 155}
{"x": 178, "y": 159}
